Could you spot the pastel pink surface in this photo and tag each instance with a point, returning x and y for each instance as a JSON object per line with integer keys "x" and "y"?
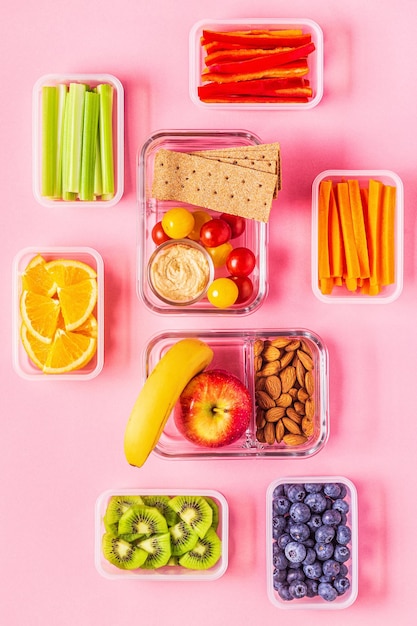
{"x": 62, "y": 443}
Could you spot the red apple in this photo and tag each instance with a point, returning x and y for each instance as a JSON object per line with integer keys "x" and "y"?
{"x": 214, "y": 409}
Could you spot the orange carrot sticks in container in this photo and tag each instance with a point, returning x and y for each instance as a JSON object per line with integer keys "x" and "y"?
{"x": 374, "y": 230}
{"x": 337, "y": 257}
{"x": 388, "y": 235}
{"x": 359, "y": 227}
{"x": 352, "y": 261}
{"x": 323, "y": 229}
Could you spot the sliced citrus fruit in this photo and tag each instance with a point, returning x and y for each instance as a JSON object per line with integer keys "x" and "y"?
{"x": 89, "y": 328}
{"x": 36, "y": 350}
{"x": 69, "y": 272}
{"x": 36, "y": 277}
{"x": 77, "y": 302}
{"x": 69, "y": 351}
{"x": 40, "y": 314}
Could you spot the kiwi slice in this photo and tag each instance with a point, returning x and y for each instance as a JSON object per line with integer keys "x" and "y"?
{"x": 142, "y": 520}
{"x": 158, "y": 549}
{"x": 195, "y": 511}
{"x": 116, "y": 506}
{"x": 215, "y": 509}
{"x": 205, "y": 553}
{"x": 161, "y": 503}
{"x": 183, "y": 538}
{"x": 121, "y": 553}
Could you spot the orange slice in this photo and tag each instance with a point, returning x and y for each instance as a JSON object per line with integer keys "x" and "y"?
{"x": 69, "y": 272}
{"x": 36, "y": 277}
{"x": 77, "y": 302}
{"x": 69, "y": 351}
{"x": 40, "y": 315}
{"x": 89, "y": 328}
{"x": 36, "y": 350}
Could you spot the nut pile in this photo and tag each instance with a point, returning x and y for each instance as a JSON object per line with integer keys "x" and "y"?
{"x": 284, "y": 391}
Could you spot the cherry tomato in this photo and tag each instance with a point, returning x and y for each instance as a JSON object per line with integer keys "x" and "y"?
{"x": 236, "y": 223}
{"x": 158, "y": 234}
{"x": 222, "y": 293}
{"x": 200, "y": 218}
{"x": 245, "y": 286}
{"x": 215, "y": 232}
{"x": 220, "y": 253}
{"x": 241, "y": 262}
{"x": 178, "y": 222}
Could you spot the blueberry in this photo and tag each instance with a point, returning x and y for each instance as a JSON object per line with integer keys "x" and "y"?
{"x": 300, "y": 512}
{"x": 325, "y": 534}
{"x": 300, "y": 531}
{"x": 314, "y": 521}
{"x": 278, "y": 491}
{"x": 310, "y": 556}
{"x": 324, "y": 551}
{"x": 313, "y": 570}
{"x": 325, "y": 579}
{"x": 343, "y": 490}
{"x": 341, "y": 584}
{"x": 331, "y": 567}
{"x": 316, "y": 501}
{"x": 309, "y": 543}
{"x": 295, "y": 552}
{"x": 294, "y": 575}
{"x": 281, "y": 505}
{"x": 332, "y": 490}
{"x": 284, "y": 591}
{"x": 296, "y": 493}
{"x": 313, "y": 487}
{"x": 343, "y": 534}
{"x": 341, "y": 553}
{"x": 283, "y": 539}
{"x": 298, "y": 589}
{"x": 343, "y": 569}
{"x": 279, "y": 560}
{"x": 279, "y": 524}
{"x": 327, "y": 592}
{"x": 341, "y": 505}
{"x": 280, "y": 576}
{"x": 312, "y": 587}
{"x": 331, "y": 517}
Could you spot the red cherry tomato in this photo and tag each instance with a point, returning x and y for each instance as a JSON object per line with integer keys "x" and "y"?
{"x": 158, "y": 234}
{"x": 215, "y": 232}
{"x": 237, "y": 224}
{"x": 241, "y": 262}
{"x": 245, "y": 286}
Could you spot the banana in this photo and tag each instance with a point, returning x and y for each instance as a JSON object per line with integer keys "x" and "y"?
{"x": 161, "y": 390}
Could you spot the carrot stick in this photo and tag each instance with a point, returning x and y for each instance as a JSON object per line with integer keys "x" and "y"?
{"x": 352, "y": 261}
{"x": 323, "y": 228}
{"x": 375, "y": 190}
{"x": 337, "y": 260}
{"x": 359, "y": 227}
{"x": 388, "y": 236}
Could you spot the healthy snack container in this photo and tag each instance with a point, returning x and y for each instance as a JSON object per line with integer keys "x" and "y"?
{"x": 286, "y": 374}
{"x": 152, "y": 213}
{"x": 81, "y": 162}
{"x": 312, "y": 542}
{"x": 26, "y": 350}
{"x": 257, "y": 90}
{"x": 357, "y": 236}
{"x": 209, "y": 521}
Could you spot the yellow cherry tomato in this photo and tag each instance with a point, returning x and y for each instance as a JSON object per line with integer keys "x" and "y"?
{"x": 200, "y": 218}
{"x": 219, "y": 254}
{"x": 178, "y": 222}
{"x": 222, "y": 293}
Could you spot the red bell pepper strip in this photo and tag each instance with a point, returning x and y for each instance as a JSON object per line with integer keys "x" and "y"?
{"x": 283, "y": 92}
{"x": 240, "y": 54}
{"x": 299, "y": 68}
{"x": 262, "y": 39}
{"x": 261, "y": 63}
{"x": 254, "y": 99}
{"x": 252, "y": 87}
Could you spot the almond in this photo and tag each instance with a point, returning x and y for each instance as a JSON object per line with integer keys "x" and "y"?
{"x": 273, "y": 386}
{"x": 258, "y": 346}
{"x": 264, "y": 400}
{"x": 286, "y": 359}
{"x": 269, "y": 433}
{"x": 309, "y": 383}
{"x": 305, "y": 359}
{"x": 307, "y": 426}
{"x": 288, "y": 378}
{"x": 279, "y": 431}
{"x": 291, "y": 426}
{"x": 292, "y": 414}
{"x": 257, "y": 363}
{"x": 299, "y": 407}
{"x": 260, "y": 383}
{"x": 284, "y": 400}
{"x": 270, "y": 369}
{"x": 293, "y": 345}
{"x": 305, "y": 347}
{"x": 294, "y": 440}
{"x": 301, "y": 372}
{"x": 260, "y": 435}
{"x": 310, "y": 408}
{"x": 260, "y": 417}
{"x": 270, "y": 353}
{"x": 302, "y": 395}
{"x": 274, "y": 414}
{"x": 280, "y": 342}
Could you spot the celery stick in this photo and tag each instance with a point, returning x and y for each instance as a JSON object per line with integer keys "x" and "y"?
{"x": 62, "y": 91}
{"x": 98, "y": 181}
{"x": 49, "y": 140}
{"x": 73, "y": 134}
{"x": 106, "y": 138}
{"x": 89, "y": 145}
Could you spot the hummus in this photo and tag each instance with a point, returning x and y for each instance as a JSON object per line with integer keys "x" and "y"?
{"x": 179, "y": 272}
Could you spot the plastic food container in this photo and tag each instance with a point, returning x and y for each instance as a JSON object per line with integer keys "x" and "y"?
{"x": 168, "y": 572}
{"x": 340, "y": 294}
{"x": 151, "y": 212}
{"x": 92, "y": 80}
{"x": 21, "y": 362}
{"x": 315, "y": 59}
{"x": 234, "y": 351}
{"x": 348, "y": 561}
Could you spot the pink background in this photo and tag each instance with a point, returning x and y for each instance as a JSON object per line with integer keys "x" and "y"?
{"x": 61, "y": 443}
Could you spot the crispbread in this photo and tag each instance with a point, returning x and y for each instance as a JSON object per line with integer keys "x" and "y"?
{"x": 213, "y": 184}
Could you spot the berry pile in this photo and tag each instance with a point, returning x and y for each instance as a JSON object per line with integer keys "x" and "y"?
{"x": 311, "y": 540}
